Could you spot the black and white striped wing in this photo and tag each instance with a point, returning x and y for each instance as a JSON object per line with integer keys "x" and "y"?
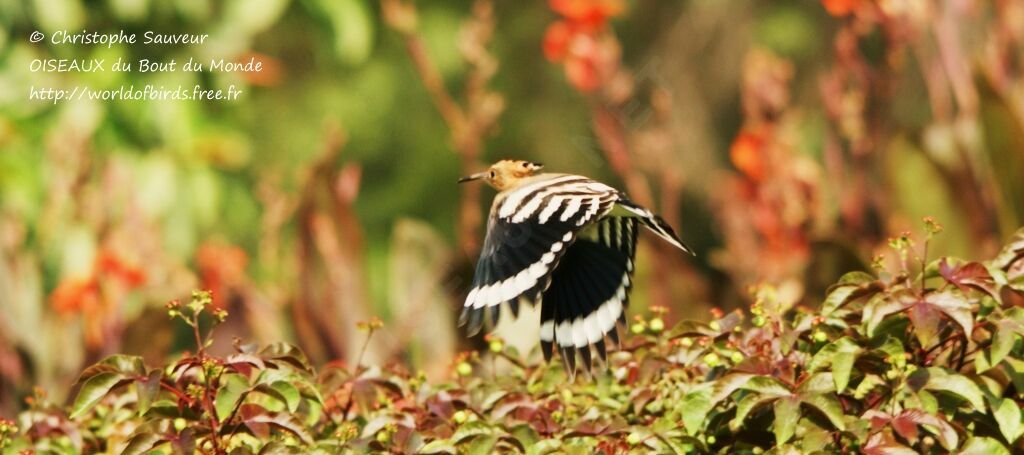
{"x": 529, "y": 230}
{"x": 589, "y": 291}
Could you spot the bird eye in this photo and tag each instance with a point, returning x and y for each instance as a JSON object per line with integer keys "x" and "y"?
{"x": 493, "y": 174}
{"x": 526, "y": 165}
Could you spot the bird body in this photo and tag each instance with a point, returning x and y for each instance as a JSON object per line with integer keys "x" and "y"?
{"x": 565, "y": 241}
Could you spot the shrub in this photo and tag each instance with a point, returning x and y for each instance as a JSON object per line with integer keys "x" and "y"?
{"x": 925, "y": 357}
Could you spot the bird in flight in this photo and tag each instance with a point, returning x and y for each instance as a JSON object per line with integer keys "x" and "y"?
{"x": 567, "y": 242}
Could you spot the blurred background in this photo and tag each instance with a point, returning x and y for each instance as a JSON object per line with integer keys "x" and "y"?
{"x": 786, "y": 140}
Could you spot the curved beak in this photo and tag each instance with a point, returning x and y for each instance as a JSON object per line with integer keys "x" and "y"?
{"x": 470, "y": 178}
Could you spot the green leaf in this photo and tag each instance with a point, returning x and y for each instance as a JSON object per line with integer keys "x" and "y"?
{"x": 1014, "y": 368}
{"x": 544, "y": 447}
{"x": 726, "y": 385}
{"x": 1008, "y": 416}
{"x": 747, "y": 404}
{"x": 94, "y": 389}
{"x": 817, "y": 383}
{"x": 695, "y": 406}
{"x": 438, "y": 446}
{"x": 880, "y": 306}
{"x": 470, "y": 430}
{"x": 868, "y": 384}
{"x": 127, "y": 364}
{"x": 143, "y": 443}
{"x": 691, "y": 328}
{"x": 233, "y": 387}
{"x": 830, "y": 406}
{"x": 941, "y": 380}
{"x": 767, "y": 385}
{"x": 1004, "y": 338}
{"x": 787, "y": 414}
{"x": 840, "y": 354}
{"x": 285, "y": 392}
{"x": 850, "y": 286}
{"x": 983, "y": 446}
{"x": 146, "y": 390}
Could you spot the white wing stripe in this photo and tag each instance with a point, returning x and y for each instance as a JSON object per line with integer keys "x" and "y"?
{"x": 512, "y": 287}
{"x": 571, "y": 208}
{"x": 552, "y": 207}
{"x": 511, "y": 202}
{"x": 547, "y": 330}
{"x": 589, "y": 330}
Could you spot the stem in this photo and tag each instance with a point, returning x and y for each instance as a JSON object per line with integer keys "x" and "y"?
{"x": 924, "y": 264}
{"x": 200, "y": 350}
{"x": 362, "y": 351}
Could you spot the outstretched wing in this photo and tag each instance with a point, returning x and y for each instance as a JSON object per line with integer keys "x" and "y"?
{"x": 528, "y": 231}
{"x": 589, "y": 292}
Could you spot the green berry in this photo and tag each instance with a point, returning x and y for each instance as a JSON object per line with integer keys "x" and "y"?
{"x": 464, "y": 369}
{"x": 633, "y": 439}
{"x": 637, "y": 328}
{"x": 460, "y": 417}
{"x": 736, "y": 357}
{"x": 712, "y": 360}
{"x": 758, "y": 321}
{"x": 496, "y": 346}
{"x": 657, "y": 325}
{"x": 179, "y": 424}
{"x": 711, "y": 440}
{"x": 820, "y": 336}
{"x": 686, "y": 342}
{"x": 714, "y": 325}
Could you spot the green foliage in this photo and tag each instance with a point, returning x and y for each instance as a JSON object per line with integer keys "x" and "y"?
{"x": 916, "y": 359}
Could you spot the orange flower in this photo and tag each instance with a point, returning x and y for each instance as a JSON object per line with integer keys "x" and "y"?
{"x": 840, "y": 8}
{"x": 747, "y": 154}
{"x": 589, "y": 13}
{"x": 74, "y": 295}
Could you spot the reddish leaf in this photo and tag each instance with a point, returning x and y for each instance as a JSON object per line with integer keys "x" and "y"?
{"x": 926, "y": 320}
{"x": 906, "y": 427}
{"x": 967, "y": 276}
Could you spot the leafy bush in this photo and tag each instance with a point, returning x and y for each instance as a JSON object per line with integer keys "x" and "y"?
{"x": 923, "y": 357}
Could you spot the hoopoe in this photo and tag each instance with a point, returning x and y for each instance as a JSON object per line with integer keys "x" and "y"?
{"x": 565, "y": 241}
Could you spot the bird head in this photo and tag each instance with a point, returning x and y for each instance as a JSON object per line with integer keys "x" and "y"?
{"x": 505, "y": 174}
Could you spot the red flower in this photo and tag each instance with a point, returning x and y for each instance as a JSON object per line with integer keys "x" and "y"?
{"x": 579, "y": 51}
{"x": 556, "y": 41}
{"x": 576, "y": 40}
{"x": 747, "y": 154}
{"x": 588, "y": 13}
{"x": 840, "y": 8}
{"x": 110, "y": 264}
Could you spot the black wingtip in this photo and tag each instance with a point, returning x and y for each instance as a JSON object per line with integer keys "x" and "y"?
{"x": 475, "y": 321}
{"x": 569, "y": 360}
{"x": 547, "y": 348}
